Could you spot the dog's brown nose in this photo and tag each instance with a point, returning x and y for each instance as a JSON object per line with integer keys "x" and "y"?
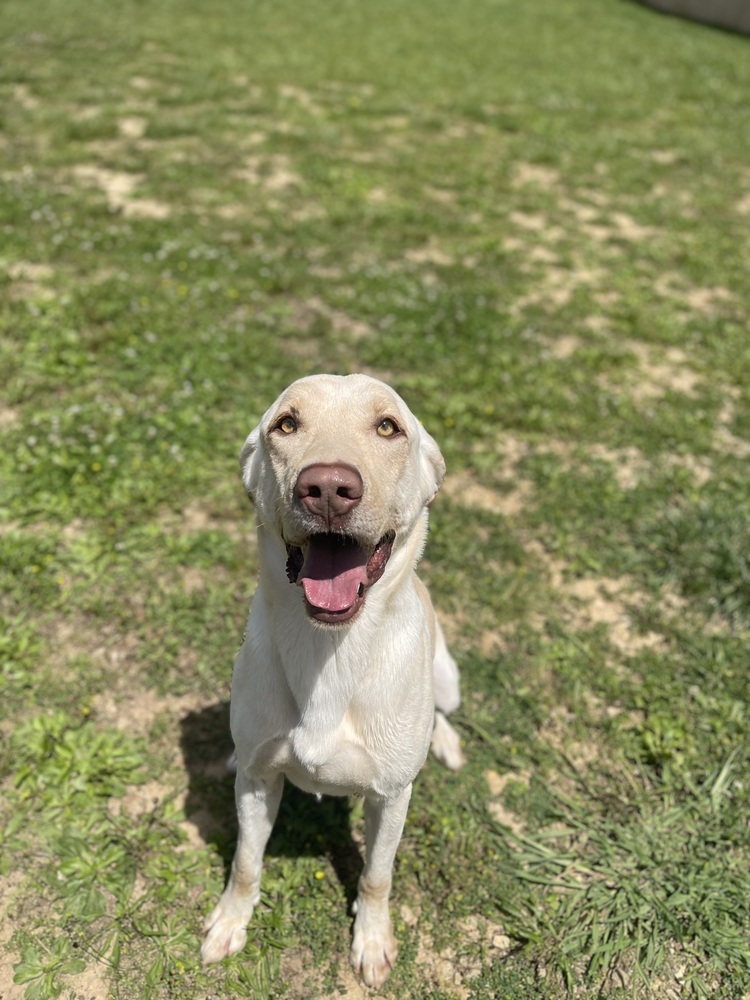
{"x": 329, "y": 491}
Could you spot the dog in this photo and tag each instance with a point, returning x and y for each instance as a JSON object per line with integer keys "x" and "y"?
{"x": 344, "y": 678}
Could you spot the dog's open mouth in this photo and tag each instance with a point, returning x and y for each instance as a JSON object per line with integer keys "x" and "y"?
{"x": 335, "y": 572}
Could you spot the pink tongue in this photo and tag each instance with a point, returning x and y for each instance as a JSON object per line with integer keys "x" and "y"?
{"x": 332, "y": 572}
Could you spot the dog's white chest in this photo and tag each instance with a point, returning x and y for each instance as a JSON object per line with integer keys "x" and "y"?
{"x": 329, "y": 764}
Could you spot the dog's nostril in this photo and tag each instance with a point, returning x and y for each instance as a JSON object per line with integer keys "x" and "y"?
{"x": 314, "y": 491}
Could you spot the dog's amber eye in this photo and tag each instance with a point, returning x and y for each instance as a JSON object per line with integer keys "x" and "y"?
{"x": 387, "y": 428}
{"x": 287, "y": 424}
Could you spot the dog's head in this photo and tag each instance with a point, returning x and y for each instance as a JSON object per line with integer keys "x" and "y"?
{"x": 342, "y": 471}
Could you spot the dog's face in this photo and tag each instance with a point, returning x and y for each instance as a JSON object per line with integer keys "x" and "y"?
{"x": 341, "y": 470}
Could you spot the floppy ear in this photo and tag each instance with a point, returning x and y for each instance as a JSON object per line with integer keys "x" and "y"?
{"x": 250, "y": 462}
{"x": 431, "y": 466}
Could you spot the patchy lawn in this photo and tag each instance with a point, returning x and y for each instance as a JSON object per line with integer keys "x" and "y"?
{"x": 533, "y": 221}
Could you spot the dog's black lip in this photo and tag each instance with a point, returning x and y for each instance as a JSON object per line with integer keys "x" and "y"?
{"x": 294, "y": 562}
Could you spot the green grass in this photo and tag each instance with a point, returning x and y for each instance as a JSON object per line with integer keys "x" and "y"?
{"x": 532, "y": 221}
{"x": 628, "y": 889}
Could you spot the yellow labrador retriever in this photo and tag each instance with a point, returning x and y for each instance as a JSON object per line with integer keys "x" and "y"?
{"x": 344, "y": 677}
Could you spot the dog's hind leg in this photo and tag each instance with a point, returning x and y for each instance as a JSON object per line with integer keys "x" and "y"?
{"x": 446, "y": 745}
{"x": 226, "y": 927}
{"x": 444, "y": 675}
{"x": 373, "y": 944}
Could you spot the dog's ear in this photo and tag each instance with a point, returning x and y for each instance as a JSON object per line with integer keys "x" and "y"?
{"x": 250, "y": 462}
{"x": 431, "y": 465}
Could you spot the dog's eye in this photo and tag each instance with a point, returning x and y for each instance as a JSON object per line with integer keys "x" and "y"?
{"x": 387, "y": 428}
{"x": 287, "y": 424}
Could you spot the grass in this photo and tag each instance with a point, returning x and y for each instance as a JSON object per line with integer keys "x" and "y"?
{"x": 532, "y": 221}
{"x": 632, "y": 892}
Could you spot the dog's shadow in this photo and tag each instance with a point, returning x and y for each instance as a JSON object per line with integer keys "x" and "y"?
{"x": 304, "y": 826}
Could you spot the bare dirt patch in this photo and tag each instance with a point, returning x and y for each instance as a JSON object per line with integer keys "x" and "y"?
{"x": 556, "y": 732}
{"x": 142, "y": 83}
{"x": 135, "y": 710}
{"x": 430, "y": 254}
{"x": 516, "y": 492}
{"x": 118, "y": 188}
{"x": 559, "y": 284}
{"x": 9, "y": 886}
{"x": 605, "y": 601}
{"x": 658, "y": 372}
{"x": 603, "y": 225}
{"x": 24, "y": 270}
{"x": 9, "y": 417}
{"x": 665, "y": 157}
{"x": 629, "y": 464}
{"x": 591, "y": 601}
{"x": 91, "y": 984}
{"x": 195, "y": 516}
{"x": 532, "y": 255}
{"x": 695, "y": 299}
{"x": 132, "y": 126}
{"x": 479, "y": 943}
{"x": 199, "y": 826}
{"x": 536, "y": 223}
{"x": 672, "y": 374}
{"x": 535, "y": 174}
{"x": 464, "y": 490}
{"x": 272, "y": 173}
{"x": 139, "y": 799}
{"x": 29, "y": 280}
{"x": 306, "y": 981}
{"x": 301, "y": 97}
{"x": 341, "y": 322}
{"x": 725, "y": 440}
{"x": 496, "y": 785}
{"x": 441, "y": 195}
{"x": 73, "y": 639}
{"x": 563, "y": 347}
{"x": 23, "y": 96}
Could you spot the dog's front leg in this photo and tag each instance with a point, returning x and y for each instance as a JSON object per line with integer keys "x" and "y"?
{"x": 226, "y": 928}
{"x": 374, "y": 946}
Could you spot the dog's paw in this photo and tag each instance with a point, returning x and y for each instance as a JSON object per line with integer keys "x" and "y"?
{"x": 446, "y": 744}
{"x": 225, "y": 933}
{"x": 374, "y": 957}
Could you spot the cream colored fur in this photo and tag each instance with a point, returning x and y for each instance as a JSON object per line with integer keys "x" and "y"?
{"x": 340, "y": 709}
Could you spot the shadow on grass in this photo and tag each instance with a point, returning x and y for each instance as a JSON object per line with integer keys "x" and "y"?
{"x": 305, "y": 827}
